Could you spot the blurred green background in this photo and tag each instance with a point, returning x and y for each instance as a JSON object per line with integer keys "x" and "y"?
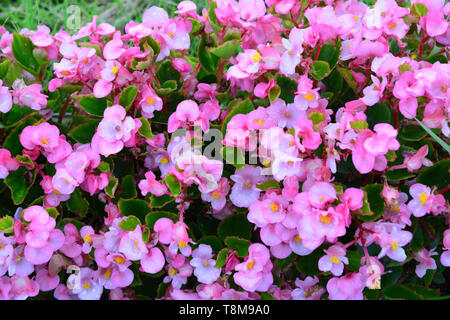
{"x": 18, "y": 14}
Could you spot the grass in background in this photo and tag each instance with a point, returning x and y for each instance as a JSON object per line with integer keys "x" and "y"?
{"x": 19, "y": 14}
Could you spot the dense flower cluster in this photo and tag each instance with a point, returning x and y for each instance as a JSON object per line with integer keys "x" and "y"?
{"x": 336, "y": 117}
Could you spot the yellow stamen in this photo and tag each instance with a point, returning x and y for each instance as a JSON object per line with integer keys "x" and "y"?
{"x": 87, "y": 285}
{"x": 65, "y": 73}
{"x": 250, "y": 264}
{"x": 396, "y": 208}
{"x": 259, "y": 122}
{"x": 164, "y": 160}
{"x": 150, "y": 100}
{"x": 325, "y": 219}
{"x": 392, "y": 25}
{"x": 136, "y": 244}
{"x": 66, "y": 181}
{"x": 56, "y": 191}
{"x": 247, "y": 185}
{"x": 256, "y": 57}
{"x": 115, "y": 70}
{"x": 171, "y": 34}
{"x": 85, "y": 60}
{"x": 394, "y": 245}
{"x": 335, "y": 260}
{"x": 274, "y": 207}
{"x": 444, "y": 88}
{"x": 87, "y": 238}
{"x": 215, "y": 195}
{"x": 205, "y": 263}
{"x": 355, "y": 17}
{"x": 172, "y": 271}
{"x": 119, "y": 260}
{"x": 266, "y": 163}
{"x": 108, "y": 274}
{"x": 44, "y": 141}
{"x": 297, "y": 238}
{"x": 182, "y": 244}
{"x": 423, "y": 198}
{"x": 309, "y": 96}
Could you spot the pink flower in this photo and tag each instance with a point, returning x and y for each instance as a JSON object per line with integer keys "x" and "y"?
{"x": 153, "y": 261}
{"x": 187, "y": 110}
{"x": 204, "y": 265}
{"x": 392, "y": 243}
{"x": 307, "y": 289}
{"x": 217, "y": 198}
{"x": 420, "y": 203}
{"x": 244, "y": 191}
{"x": 334, "y": 260}
{"x": 7, "y": 163}
{"x": 29, "y": 96}
{"x": 5, "y": 98}
{"x": 426, "y": 262}
{"x": 445, "y": 256}
{"x": 254, "y": 274}
{"x": 293, "y": 54}
{"x": 348, "y": 287}
{"x": 150, "y": 184}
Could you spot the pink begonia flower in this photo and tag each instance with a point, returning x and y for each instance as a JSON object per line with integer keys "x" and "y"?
{"x": 204, "y": 265}
{"x": 284, "y": 116}
{"x": 187, "y": 110}
{"x": 217, "y": 198}
{"x": 292, "y": 56}
{"x": 307, "y": 289}
{"x": 371, "y": 272}
{"x": 252, "y": 9}
{"x": 150, "y": 102}
{"x": 417, "y": 160}
{"x": 113, "y": 49}
{"x": 6, "y": 101}
{"x": 445, "y": 256}
{"x": 41, "y": 239}
{"x": 310, "y": 138}
{"x": 426, "y": 262}
{"x": 29, "y": 96}
{"x": 334, "y": 260}
{"x": 153, "y": 261}
{"x": 174, "y": 234}
{"x": 132, "y": 245}
{"x": 392, "y": 243}
{"x": 348, "y": 287}
{"x": 46, "y": 281}
{"x": 244, "y": 191}
{"x": 23, "y": 287}
{"x": 205, "y": 91}
{"x": 89, "y": 288}
{"x": 353, "y": 197}
{"x": 281, "y": 6}
{"x": 262, "y": 89}
{"x": 434, "y": 22}
{"x": 71, "y": 247}
{"x": 7, "y": 163}
{"x": 374, "y": 92}
{"x": 187, "y": 9}
{"x": 114, "y": 131}
{"x": 151, "y": 185}
{"x": 420, "y": 203}
{"x": 43, "y": 135}
{"x": 407, "y": 89}
{"x": 254, "y": 274}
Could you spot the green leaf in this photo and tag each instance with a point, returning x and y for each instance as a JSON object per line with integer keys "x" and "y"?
{"x": 316, "y": 117}
{"x": 354, "y": 260}
{"x": 22, "y": 49}
{"x": 400, "y": 174}
{"x": 412, "y": 133}
{"x": 112, "y": 186}
{"x": 20, "y": 182}
{"x": 419, "y": 10}
{"x": 4, "y": 66}
{"x": 436, "y": 175}
{"x": 222, "y": 257}
{"x": 226, "y": 50}
{"x": 238, "y": 244}
{"x": 213, "y": 241}
{"x": 129, "y": 224}
{"x": 128, "y": 187}
{"x": 235, "y": 225}
{"x": 274, "y": 93}
{"x": 152, "y": 217}
{"x": 309, "y": 264}
{"x": 52, "y": 212}
{"x": 136, "y": 207}
{"x": 7, "y": 224}
{"x": 173, "y": 184}
{"x": 400, "y": 292}
{"x": 241, "y": 108}
{"x": 288, "y": 87}
{"x": 330, "y": 54}
{"x": 208, "y": 61}
{"x": 159, "y": 202}
{"x": 167, "y": 87}
{"x": 378, "y": 113}
{"x": 93, "y": 105}
{"x": 269, "y": 185}
{"x": 84, "y": 132}
{"x": 284, "y": 264}
{"x": 319, "y": 69}
{"x": 127, "y": 97}
{"x": 349, "y": 78}
{"x": 77, "y": 203}
{"x": 234, "y": 156}
{"x": 145, "y": 130}
{"x": 166, "y": 72}
{"x": 373, "y": 203}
